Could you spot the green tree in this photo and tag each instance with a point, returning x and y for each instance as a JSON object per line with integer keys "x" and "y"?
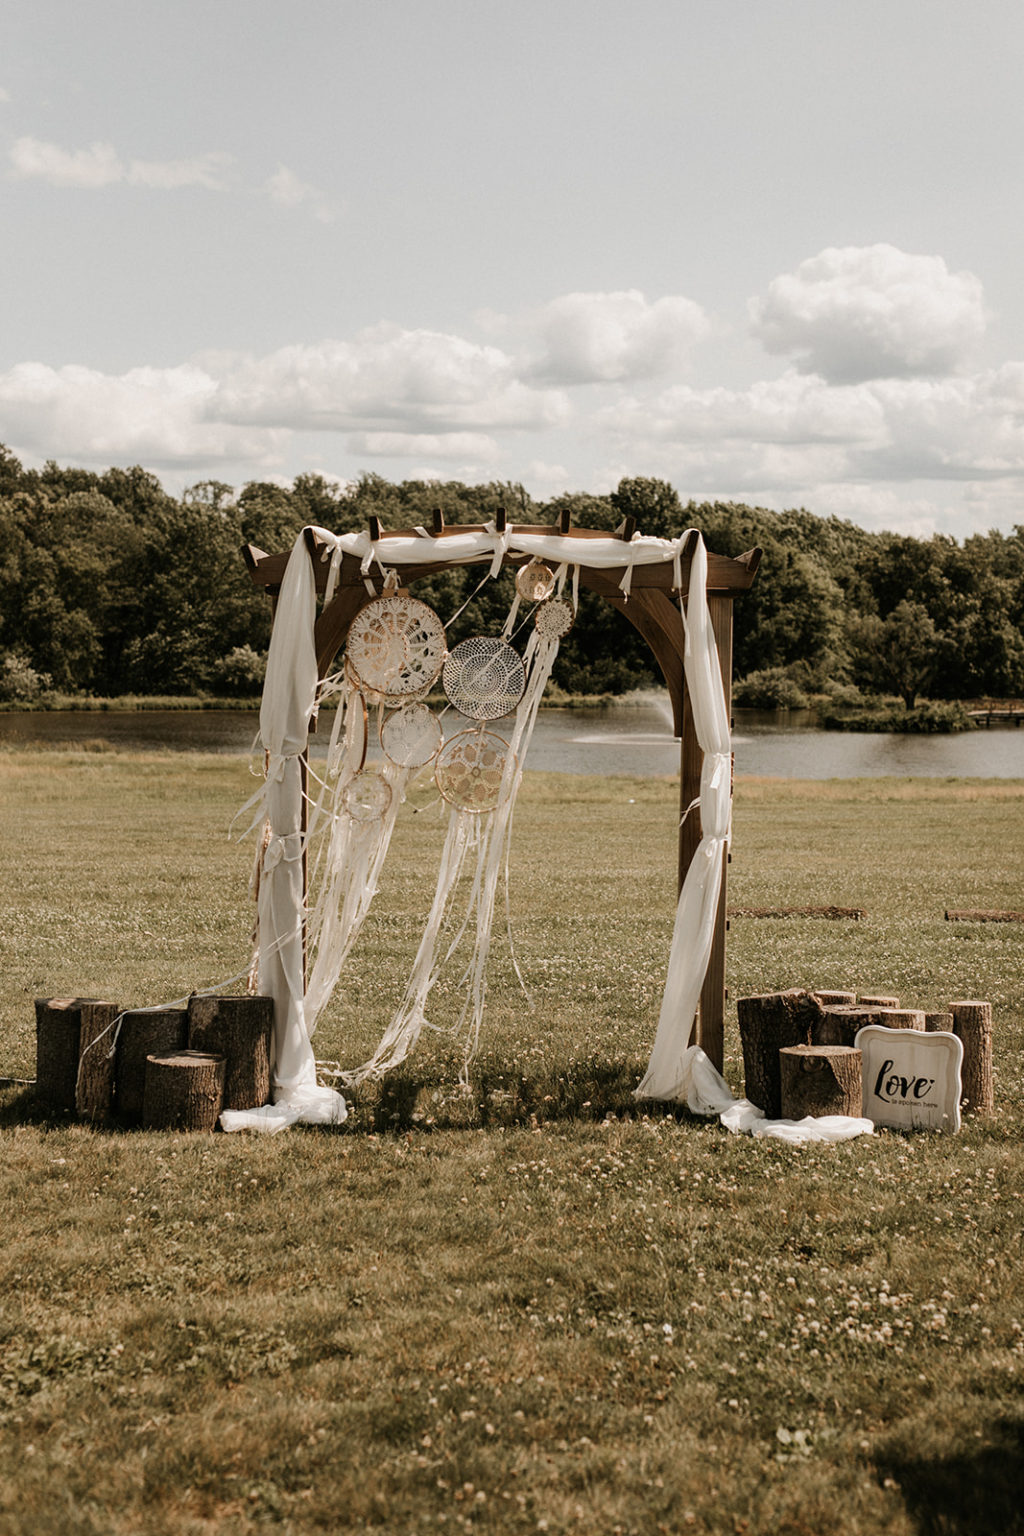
{"x": 900, "y": 652}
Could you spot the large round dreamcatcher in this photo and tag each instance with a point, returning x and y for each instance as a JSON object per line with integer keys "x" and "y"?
{"x": 484, "y": 678}
{"x": 396, "y": 647}
{"x": 411, "y": 736}
{"x": 471, "y": 769}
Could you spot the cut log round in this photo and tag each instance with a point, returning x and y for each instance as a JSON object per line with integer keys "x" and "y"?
{"x": 94, "y": 1095}
{"x": 939, "y": 1023}
{"x": 839, "y": 1025}
{"x": 820, "y": 1080}
{"x": 239, "y": 1029}
{"x": 834, "y": 999}
{"x": 184, "y": 1091}
{"x": 972, "y": 1021}
{"x": 877, "y": 1000}
{"x": 767, "y": 1023}
{"x": 144, "y": 1032}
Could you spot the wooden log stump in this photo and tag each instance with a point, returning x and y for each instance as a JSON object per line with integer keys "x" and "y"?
{"x": 58, "y": 1031}
{"x": 94, "y": 1097}
{"x": 839, "y": 1025}
{"x": 239, "y": 1029}
{"x": 144, "y": 1032}
{"x": 59, "y": 1042}
{"x": 972, "y": 1022}
{"x": 184, "y": 1091}
{"x": 820, "y": 1080}
{"x": 768, "y": 1023}
{"x": 877, "y": 1000}
{"x": 834, "y": 999}
{"x": 939, "y": 1023}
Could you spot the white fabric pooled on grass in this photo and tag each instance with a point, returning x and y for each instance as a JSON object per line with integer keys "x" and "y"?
{"x": 705, "y": 1091}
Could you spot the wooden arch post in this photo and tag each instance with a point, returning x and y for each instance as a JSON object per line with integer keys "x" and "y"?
{"x": 652, "y": 607}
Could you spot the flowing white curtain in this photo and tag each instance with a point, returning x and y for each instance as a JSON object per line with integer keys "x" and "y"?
{"x": 668, "y": 1069}
{"x": 289, "y": 695}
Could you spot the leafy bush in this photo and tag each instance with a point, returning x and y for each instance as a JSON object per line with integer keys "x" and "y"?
{"x": 771, "y": 688}
{"x": 20, "y": 683}
{"x": 240, "y": 673}
{"x": 844, "y": 695}
{"x": 930, "y": 718}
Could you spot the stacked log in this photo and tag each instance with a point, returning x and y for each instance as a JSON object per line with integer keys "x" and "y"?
{"x": 972, "y": 1022}
{"x": 938, "y": 1023}
{"x": 877, "y": 1000}
{"x": 144, "y": 1032}
{"x": 820, "y": 1080}
{"x": 184, "y": 1091}
{"x": 238, "y": 1028}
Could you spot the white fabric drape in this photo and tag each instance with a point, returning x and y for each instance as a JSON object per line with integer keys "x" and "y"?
{"x": 694, "y": 929}
{"x": 289, "y": 695}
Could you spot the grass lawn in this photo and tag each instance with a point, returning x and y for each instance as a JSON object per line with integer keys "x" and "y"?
{"x": 530, "y": 1307}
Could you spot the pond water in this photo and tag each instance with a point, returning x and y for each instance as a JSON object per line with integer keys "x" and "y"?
{"x": 633, "y": 738}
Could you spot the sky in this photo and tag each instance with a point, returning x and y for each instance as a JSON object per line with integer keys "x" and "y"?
{"x": 768, "y": 250}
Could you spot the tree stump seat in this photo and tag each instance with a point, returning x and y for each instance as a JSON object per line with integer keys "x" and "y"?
{"x": 239, "y": 1029}
{"x": 145, "y": 1032}
{"x": 972, "y": 1022}
{"x": 820, "y": 1080}
{"x": 184, "y": 1091}
{"x": 73, "y": 1067}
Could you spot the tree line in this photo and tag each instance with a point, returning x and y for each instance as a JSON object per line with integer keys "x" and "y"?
{"x": 111, "y": 586}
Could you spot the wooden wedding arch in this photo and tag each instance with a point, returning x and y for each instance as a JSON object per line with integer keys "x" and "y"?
{"x": 652, "y": 607}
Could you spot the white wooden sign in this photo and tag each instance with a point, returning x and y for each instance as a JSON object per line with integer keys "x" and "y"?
{"x": 911, "y": 1079}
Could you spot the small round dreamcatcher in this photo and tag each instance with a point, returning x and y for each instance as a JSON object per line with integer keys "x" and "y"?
{"x": 470, "y": 770}
{"x": 554, "y": 619}
{"x": 396, "y": 646}
{"x": 484, "y": 678}
{"x": 367, "y": 796}
{"x": 411, "y": 736}
{"x": 535, "y": 581}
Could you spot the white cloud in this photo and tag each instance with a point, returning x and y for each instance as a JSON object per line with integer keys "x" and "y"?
{"x": 99, "y": 165}
{"x": 207, "y": 171}
{"x": 899, "y": 452}
{"x": 387, "y": 379}
{"x": 600, "y": 338}
{"x": 799, "y": 440}
{"x": 864, "y": 312}
{"x": 438, "y": 445}
{"x": 155, "y": 416}
{"x": 286, "y": 190}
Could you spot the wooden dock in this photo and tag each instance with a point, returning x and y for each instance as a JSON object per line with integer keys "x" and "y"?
{"x": 998, "y": 714}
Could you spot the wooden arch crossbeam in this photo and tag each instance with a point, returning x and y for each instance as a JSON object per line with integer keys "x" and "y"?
{"x": 652, "y": 607}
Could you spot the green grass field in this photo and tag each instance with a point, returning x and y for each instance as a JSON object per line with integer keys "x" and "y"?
{"x": 530, "y": 1307}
